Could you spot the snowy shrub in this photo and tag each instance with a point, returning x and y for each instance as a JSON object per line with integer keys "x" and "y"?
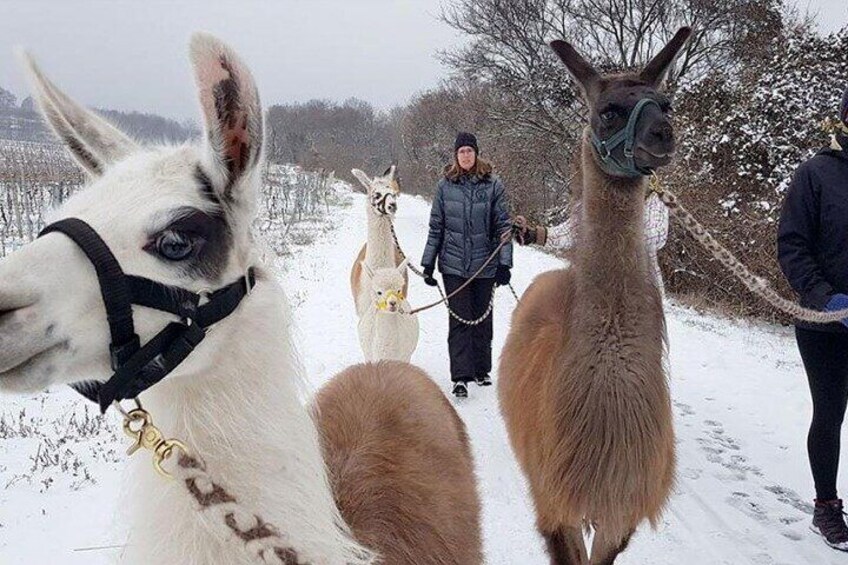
{"x": 741, "y": 138}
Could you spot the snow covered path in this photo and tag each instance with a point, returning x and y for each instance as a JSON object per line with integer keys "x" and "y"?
{"x": 741, "y": 408}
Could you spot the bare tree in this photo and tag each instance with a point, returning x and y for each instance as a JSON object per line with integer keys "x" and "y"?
{"x": 322, "y": 134}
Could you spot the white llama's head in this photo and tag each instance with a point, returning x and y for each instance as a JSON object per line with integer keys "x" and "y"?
{"x": 179, "y": 215}
{"x": 383, "y": 191}
{"x": 386, "y": 286}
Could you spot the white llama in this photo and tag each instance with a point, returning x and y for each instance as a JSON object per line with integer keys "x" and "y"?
{"x": 380, "y": 250}
{"x": 386, "y": 330}
{"x": 181, "y": 216}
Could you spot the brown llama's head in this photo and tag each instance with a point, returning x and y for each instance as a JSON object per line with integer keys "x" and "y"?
{"x": 629, "y": 117}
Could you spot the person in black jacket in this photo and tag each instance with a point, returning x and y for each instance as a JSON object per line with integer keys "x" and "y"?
{"x": 813, "y": 254}
{"x": 468, "y": 218}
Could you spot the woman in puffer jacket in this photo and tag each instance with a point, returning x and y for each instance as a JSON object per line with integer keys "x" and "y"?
{"x": 468, "y": 218}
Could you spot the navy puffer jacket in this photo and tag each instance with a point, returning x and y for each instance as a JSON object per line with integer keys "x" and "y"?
{"x": 466, "y": 222}
{"x": 812, "y": 244}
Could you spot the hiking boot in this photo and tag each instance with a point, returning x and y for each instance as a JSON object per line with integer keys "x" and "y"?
{"x": 483, "y": 380}
{"x": 460, "y": 390}
{"x": 829, "y": 523}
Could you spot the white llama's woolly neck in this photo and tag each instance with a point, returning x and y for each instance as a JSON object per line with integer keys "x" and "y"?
{"x": 388, "y": 336}
{"x": 380, "y": 251}
{"x": 237, "y": 402}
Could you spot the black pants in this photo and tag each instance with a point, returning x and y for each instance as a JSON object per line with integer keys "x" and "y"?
{"x": 825, "y": 358}
{"x": 470, "y": 347}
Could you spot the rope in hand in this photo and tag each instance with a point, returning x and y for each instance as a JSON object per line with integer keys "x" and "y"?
{"x": 506, "y": 238}
{"x": 755, "y": 284}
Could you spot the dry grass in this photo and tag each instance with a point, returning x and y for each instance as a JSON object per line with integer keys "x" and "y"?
{"x": 63, "y": 446}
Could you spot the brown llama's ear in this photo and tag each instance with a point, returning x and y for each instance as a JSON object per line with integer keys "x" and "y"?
{"x": 583, "y": 73}
{"x": 232, "y": 114}
{"x": 92, "y": 141}
{"x": 654, "y": 72}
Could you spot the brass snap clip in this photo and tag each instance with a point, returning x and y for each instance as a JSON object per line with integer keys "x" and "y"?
{"x": 138, "y": 425}
{"x": 655, "y": 184}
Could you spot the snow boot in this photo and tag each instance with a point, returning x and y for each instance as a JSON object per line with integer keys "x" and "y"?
{"x": 460, "y": 390}
{"x": 483, "y": 380}
{"x": 829, "y": 523}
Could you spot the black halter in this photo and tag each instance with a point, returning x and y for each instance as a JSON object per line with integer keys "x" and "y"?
{"x": 136, "y": 367}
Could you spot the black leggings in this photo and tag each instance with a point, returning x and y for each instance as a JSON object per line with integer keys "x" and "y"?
{"x": 470, "y": 347}
{"x": 825, "y": 358}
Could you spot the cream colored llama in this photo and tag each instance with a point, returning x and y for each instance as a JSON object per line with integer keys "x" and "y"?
{"x": 582, "y": 383}
{"x": 380, "y": 250}
{"x": 383, "y": 461}
{"x": 386, "y": 330}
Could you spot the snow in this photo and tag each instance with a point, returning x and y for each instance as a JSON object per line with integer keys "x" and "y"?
{"x": 741, "y": 408}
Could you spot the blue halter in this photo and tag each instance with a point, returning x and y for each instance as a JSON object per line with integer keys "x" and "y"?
{"x": 627, "y": 136}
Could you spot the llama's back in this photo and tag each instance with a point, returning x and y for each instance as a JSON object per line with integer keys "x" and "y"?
{"x": 401, "y": 465}
{"x": 590, "y": 421}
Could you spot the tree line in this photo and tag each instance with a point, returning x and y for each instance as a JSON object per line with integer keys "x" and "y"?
{"x": 750, "y": 94}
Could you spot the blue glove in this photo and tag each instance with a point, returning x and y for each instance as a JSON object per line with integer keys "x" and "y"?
{"x": 838, "y": 302}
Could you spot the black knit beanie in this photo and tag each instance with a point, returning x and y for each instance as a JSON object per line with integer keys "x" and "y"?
{"x": 843, "y": 113}
{"x": 465, "y": 139}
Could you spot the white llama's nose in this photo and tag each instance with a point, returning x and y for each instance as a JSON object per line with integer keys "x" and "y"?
{"x": 14, "y": 295}
{"x": 23, "y": 335}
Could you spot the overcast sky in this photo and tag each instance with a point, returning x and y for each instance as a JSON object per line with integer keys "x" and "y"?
{"x": 126, "y": 54}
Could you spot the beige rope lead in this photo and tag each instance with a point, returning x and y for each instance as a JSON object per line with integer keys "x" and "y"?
{"x": 755, "y": 284}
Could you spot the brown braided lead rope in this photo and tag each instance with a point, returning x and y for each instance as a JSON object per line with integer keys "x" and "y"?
{"x": 506, "y": 238}
{"x": 261, "y": 540}
{"x": 755, "y": 284}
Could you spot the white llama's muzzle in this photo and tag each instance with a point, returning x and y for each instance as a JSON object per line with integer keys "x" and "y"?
{"x": 390, "y": 302}
{"x": 384, "y": 203}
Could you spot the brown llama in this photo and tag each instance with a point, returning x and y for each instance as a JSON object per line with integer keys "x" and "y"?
{"x": 582, "y": 383}
{"x": 408, "y": 504}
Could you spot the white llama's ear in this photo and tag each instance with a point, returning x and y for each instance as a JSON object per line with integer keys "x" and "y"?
{"x": 92, "y": 141}
{"x": 362, "y": 178}
{"x": 392, "y": 176}
{"x": 654, "y": 72}
{"x": 403, "y": 266}
{"x": 232, "y": 115}
{"x": 368, "y": 270}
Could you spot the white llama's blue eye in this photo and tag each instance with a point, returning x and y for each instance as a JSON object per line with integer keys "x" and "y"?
{"x": 174, "y": 246}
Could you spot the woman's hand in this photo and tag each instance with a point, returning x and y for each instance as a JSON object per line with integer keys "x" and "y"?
{"x": 502, "y": 276}
{"x": 838, "y": 302}
{"x": 524, "y": 233}
{"x": 428, "y": 275}
{"x": 519, "y": 229}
